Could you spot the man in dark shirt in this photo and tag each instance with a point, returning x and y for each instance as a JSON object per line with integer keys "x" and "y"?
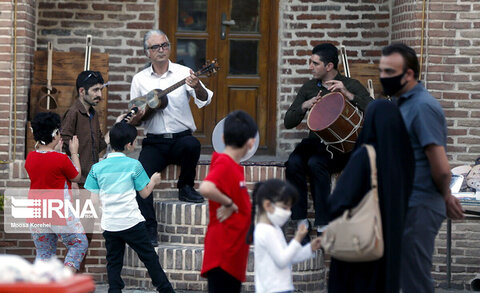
{"x": 311, "y": 157}
{"x": 81, "y": 120}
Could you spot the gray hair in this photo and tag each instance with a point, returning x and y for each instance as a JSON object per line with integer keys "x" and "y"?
{"x": 149, "y": 34}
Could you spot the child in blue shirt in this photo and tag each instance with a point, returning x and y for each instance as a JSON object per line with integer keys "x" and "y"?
{"x": 116, "y": 180}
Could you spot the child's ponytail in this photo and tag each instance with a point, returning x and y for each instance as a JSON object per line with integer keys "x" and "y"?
{"x": 254, "y": 207}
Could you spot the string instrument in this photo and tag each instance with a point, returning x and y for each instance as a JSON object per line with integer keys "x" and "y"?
{"x": 88, "y": 53}
{"x": 156, "y": 99}
{"x": 346, "y": 69}
{"x": 46, "y": 100}
{"x": 343, "y": 54}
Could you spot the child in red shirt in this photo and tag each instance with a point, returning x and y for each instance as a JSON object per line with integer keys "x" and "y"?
{"x": 226, "y": 250}
{"x": 51, "y": 174}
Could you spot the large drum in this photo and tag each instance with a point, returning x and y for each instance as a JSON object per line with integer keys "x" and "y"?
{"x": 336, "y": 121}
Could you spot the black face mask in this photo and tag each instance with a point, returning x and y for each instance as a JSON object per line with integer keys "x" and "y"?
{"x": 392, "y": 85}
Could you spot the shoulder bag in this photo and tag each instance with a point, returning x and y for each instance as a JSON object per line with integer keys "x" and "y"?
{"x": 356, "y": 236}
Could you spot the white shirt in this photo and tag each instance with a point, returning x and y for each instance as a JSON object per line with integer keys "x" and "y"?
{"x": 274, "y": 259}
{"x": 177, "y": 116}
{"x": 115, "y": 180}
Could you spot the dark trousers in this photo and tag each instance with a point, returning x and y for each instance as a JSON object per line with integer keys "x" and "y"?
{"x": 156, "y": 154}
{"x": 421, "y": 227}
{"x": 220, "y": 281}
{"x": 311, "y": 159}
{"x": 137, "y": 238}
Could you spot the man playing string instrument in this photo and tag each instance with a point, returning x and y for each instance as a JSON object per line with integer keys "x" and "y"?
{"x": 311, "y": 157}
{"x": 169, "y": 131}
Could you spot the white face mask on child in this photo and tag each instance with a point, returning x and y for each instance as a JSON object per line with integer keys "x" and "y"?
{"x": 279, "y": 216}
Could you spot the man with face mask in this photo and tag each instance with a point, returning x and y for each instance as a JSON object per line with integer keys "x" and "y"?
{"x": 431, "y": 198}
{"x": 311, "y": 157}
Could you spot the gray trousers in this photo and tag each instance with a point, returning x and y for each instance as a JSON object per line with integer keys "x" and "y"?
{"x": 421, "y": 228}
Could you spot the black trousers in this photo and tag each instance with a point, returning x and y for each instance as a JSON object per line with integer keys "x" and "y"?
{"x": 311, "y": 159}
{"x": 220, "y": 281}
{"x": 156, "y": 154}
{"x": 137, "y": 238}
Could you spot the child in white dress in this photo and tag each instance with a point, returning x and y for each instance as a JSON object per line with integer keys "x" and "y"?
{"x": 273, "y": 256}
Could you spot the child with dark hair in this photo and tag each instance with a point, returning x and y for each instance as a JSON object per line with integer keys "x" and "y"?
{"x": 51, "y": 174}
{"x": 273, "y": 256}
{"x": 116, "y": 180}
{"x": 82, "y": 120}
{"x": 226, "y": 252}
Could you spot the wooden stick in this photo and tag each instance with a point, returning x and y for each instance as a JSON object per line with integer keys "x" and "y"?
{"x": 49, "y": 73}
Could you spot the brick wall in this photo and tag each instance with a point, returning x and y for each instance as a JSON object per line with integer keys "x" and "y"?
{"x": 363, "y": 26}
{"x": 450, "y": 71}
{"x": 9, "y": 136}
{"x": 117, "y": 28}
{"x": 465, "y": 254}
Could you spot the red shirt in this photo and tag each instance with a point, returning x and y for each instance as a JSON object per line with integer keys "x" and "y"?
{"x": 225, "y": 243}
{"x": 49, "y": 171}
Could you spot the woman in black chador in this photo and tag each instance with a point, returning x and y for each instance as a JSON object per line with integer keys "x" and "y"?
{"x": 384, "y": 129}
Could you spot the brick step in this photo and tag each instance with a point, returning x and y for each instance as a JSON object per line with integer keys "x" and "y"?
{"x": 253, "y": 173}
{"x": 182, "y": 264}
{"x": 181, "y": 222}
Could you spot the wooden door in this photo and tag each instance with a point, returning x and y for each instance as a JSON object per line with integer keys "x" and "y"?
{"x": 242, "y": 36}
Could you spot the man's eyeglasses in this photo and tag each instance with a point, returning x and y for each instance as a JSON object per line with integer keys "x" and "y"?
{"x": 93, "y": 73}
{"x": 164, "y": 46}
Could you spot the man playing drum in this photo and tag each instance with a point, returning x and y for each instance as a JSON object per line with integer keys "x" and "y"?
{"x": 311, "y": 157}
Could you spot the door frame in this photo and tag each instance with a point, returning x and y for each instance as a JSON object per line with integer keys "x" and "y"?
{"x": 168, "y": 25}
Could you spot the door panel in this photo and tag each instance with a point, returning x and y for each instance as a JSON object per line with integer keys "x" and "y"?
{"x": 241, "y": 35}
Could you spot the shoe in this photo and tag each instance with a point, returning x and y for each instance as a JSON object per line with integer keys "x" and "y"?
{"x": 189, "y": 194}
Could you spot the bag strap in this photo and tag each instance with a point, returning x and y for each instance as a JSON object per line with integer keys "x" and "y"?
{"x": 373, "y": 164}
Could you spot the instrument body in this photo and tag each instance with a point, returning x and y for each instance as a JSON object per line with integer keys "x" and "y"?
{"x": 336, "y": 122}
{"x": 156, "y": 99}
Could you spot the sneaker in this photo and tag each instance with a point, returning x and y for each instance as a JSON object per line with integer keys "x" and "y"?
{"x": 189, "y": 194}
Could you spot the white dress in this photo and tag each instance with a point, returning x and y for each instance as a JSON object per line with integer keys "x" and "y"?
{"x": 274, "y": 259}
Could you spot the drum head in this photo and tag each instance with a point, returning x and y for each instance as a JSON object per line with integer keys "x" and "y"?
{"x": 325, "y": 112}
{"x": 219, "y": 145}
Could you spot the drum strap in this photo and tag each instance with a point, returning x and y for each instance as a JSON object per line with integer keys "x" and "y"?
{"x": 356, "y": 127}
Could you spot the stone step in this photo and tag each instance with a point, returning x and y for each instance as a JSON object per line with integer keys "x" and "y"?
{"x": 182, "y": 264}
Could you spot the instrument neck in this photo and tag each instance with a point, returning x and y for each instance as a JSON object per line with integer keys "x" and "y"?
{"x": 175, "y": 86}
{"x": 172, "y": 88}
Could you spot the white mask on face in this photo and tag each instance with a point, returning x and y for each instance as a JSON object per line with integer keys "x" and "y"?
{"x": 279, "y": 216}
